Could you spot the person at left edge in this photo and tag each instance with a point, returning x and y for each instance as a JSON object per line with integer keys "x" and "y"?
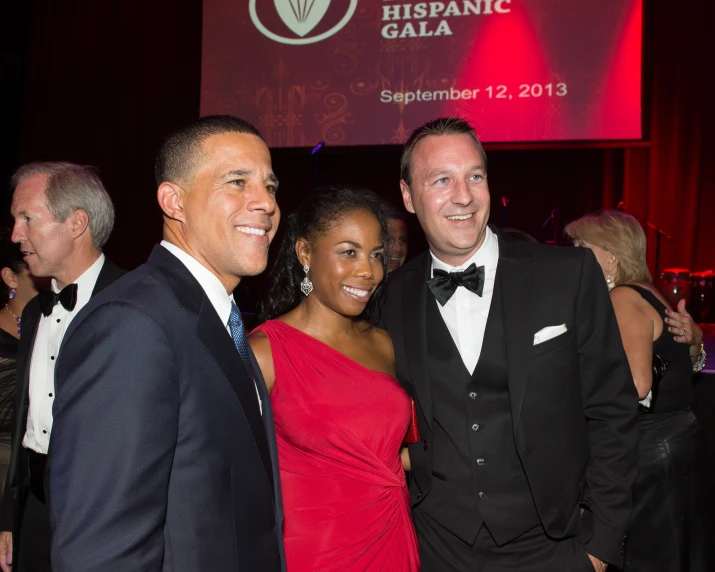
{"x": 63, "y": 216}
{"x": 163, "y": 452}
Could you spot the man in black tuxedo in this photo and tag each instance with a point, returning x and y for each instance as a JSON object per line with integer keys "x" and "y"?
{"x": 63, "y": 216}
{"x": 164, "y": 455}
{"x": 526, "y": 406}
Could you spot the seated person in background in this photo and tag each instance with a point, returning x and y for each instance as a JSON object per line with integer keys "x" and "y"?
{"x": 399, "y": 240}
{"x": 341, "y": 416}
{"x": 671, "y": 526}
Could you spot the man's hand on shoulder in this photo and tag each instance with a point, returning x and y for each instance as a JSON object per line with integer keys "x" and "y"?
{"x": 6, "y": 551}
{"x": 598, "y": 565}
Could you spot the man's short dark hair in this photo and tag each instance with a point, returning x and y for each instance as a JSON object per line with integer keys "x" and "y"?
{"x": 179, "y": 152}
{"x": 440, "y": 126}
{"x": 394, "y": 213}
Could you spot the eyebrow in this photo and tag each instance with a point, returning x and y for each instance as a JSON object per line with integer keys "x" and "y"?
{"x": 357, "y": 245}
{"x": 245, "y": 172}
{"x": 238, "y": 173}
{"x": 477, "y": 167}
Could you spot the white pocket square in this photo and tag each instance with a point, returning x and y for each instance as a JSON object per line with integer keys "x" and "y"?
{"x": 548, "y": 333}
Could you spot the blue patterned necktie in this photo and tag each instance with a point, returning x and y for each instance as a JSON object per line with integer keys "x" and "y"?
{"x": 238, "y": 333}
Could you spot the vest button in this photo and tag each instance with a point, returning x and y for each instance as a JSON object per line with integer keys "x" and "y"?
{"x": 482, "y": 495}
{"x": 481, "y": 462}
{"x": 473, "y": 394}
{"x": 475, "y": 427}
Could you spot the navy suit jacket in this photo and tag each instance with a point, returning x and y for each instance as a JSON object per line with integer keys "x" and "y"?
{"x": 160, "y": 458}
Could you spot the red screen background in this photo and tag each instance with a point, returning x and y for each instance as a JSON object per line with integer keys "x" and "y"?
{"x": 547, "y": 70}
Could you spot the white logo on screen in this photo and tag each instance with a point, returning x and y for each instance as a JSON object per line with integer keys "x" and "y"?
{"x": 301, "y": 17}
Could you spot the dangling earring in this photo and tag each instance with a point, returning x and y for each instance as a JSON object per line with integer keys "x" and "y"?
{"x": 609, "y": 281}
{"x": 306, "y": 286}
{"x": 11, "y": 295}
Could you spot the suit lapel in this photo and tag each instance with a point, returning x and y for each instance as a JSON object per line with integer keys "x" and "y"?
{"x": 30, "y": 322}
{"x": 414, "y": 323}
{"x": 516, "y": 268}
{"x": 108, "y": 274}
{"x": 214, "y": 335}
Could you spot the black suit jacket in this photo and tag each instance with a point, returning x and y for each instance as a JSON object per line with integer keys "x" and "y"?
{"x": 573, "y": 401}
{"x": 17, "y": 482}
{"x": 160, "y": 458}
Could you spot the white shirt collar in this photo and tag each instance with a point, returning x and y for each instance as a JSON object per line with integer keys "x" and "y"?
{"x": 487, "y": 255}
{"x": 217, "y": 295}
{"x": 86, "y": 282}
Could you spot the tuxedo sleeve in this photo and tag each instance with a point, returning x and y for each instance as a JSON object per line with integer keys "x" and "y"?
{"x": 610, "y": 405}
{"x": 113, "y": 440}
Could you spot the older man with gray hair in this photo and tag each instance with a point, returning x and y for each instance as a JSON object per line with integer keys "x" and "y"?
{"x": 63, "y": 217}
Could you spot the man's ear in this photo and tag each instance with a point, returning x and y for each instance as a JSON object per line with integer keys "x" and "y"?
{"x": 171, "y": 201}
{"x": 79, "y": 223}
{"x": 406, "y": 196}
{"x": 9, "y": 277}
{"x": 302, "y": 251}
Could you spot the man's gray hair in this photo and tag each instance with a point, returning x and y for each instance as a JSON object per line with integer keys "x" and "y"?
{"x": 73, "y": 187}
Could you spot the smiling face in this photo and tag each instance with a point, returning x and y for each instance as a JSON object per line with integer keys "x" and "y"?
{"x": 449, "y": 195}
{"x": 45, "y": 243}
{"x": 228, "y": 210}
{"x": 346, "y": 263}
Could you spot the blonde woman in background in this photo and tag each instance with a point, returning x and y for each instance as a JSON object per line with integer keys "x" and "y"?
{"x": 671, "y": 525}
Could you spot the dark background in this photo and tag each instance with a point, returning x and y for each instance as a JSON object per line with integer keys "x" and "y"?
{"x": 101, "y": 83}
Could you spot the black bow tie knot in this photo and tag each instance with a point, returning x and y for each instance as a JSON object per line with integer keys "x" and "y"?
{"x": 444, "y": 284}
{"x": 67, "y": 297}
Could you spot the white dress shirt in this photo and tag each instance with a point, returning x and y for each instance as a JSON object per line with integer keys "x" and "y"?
{"x": 215, "y": 291}
{"x": 466, "y": 313}
{"x": 50, "y": 332}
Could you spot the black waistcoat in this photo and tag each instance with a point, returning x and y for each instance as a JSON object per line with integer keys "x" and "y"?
{"x": 477, "y": 475}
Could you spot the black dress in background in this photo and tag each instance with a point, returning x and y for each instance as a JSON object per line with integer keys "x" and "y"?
{"x": 8, "y": 358}
{"x": 672, "y": 523}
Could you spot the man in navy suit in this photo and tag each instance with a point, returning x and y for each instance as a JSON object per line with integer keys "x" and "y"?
{"x": 163, "y": 454}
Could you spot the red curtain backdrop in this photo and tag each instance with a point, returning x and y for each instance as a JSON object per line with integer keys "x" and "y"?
{"x": 672, "y": 183}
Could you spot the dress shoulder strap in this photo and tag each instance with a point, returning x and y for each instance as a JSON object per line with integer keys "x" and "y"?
{"x": 648, "y": 296}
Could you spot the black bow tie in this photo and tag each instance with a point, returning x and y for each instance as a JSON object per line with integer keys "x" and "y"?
{"x": 68, "y": 299}
{"x": 444, "y": 284}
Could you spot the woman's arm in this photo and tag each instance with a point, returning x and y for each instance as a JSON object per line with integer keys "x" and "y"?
{"x": 262, "y": 350}
{"x": 405, "y": 457}
{"x": 637, "y": 334}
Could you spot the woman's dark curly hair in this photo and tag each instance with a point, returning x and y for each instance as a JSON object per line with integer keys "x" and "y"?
{"x": 317, "y": 213}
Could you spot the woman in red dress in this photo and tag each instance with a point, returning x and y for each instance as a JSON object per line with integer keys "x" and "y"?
{"x": 341, "y": 417}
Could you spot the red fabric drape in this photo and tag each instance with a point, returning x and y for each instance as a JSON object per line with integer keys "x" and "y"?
{"x": 672, "y": 183}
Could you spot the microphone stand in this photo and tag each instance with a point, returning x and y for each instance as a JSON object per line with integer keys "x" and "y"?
{"x": 554, "y": 218}
{"x": 659, "y": 233}
{"x": 504, "y": 203}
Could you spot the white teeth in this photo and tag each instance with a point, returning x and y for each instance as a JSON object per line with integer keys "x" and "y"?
{"x": 458, "y": 217}
{"x": 250, "y": 230}
{"x": 356, "y": 292}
